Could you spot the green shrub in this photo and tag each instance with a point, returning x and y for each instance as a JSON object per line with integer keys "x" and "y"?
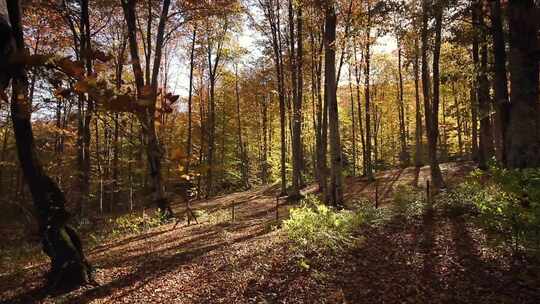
{"x": 315, "y": 227}
{"x": 408, "y": 202}
{"x": 506, "y": 204}
{"x": 459, "y": 201}
{"x": 134, "y": 223}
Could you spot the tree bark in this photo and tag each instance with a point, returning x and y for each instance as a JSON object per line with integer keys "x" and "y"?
{"x": 367, "y": 72}
{"x": 154, "y": 152}
{"x": 69, "y": 267}
{"x": 431, "y": 107}
{"x": 523, "y": 133}
{"x": 486, "y": 135}
{"x": 500, "y": 80}
{"x": 336, "y": 179}
{"x": 189, "y": 145}
{"x": 404, "y": 155}
{"x": 419, "y": 151}
{"x": 273, "y": 17}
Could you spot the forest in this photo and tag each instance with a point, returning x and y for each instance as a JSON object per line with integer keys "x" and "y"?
{"x": 270, "y": 151}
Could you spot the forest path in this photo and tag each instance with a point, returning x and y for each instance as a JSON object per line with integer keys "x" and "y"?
{"x": 247, "y": 261}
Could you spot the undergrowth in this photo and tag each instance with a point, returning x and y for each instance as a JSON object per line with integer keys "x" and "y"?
{"x": 505, "y": 203}
{"x": 135, "y": 223}
{"x": 317, "y": 228}
{"x": 408, "y": 202}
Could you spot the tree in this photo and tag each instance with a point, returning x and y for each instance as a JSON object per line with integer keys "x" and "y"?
{"x": 431, "y": 104}
{"x": 482, "y": 86}
{"x": 336, "y": 179}
{"x": 214, "y": 48}
{"x": 271, "y": 9}
{"x": 147, "y": 93}
{"x": 523, "y": 132}
{"x": 69, "y": 267}
{"x": 500, "y": 80}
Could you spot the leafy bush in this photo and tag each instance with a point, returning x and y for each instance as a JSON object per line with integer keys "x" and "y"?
{"x": 408, "y": 202}
{"x": 460, "y": 200}
{"x": 315, "y": 227}
{"x": 134, "y": 223}
{"x": 507, "y": 205}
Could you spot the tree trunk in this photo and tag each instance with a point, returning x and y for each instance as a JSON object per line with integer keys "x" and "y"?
{"x": 353, "y": 122}
{"x": 242, "y": 157}
{"x": 85, "y": 115}
{"x": 486, "y": 138}
{"x": 69, "y": 267}
{"x": 336, "y": 179}
{"x": 431, "y": 107}
{"x": 273, "y": 18}
{"x": 154, "y": 152}
{"x": 189, "y": 145}
{"x": 357, "y": 69}
{"x": 523, "y": 133}
{"x": 368, "y": 161}
{"x": 419, "y": 151}
{"x": 404, "y": 155}
{"x": 458, "y": 119}
{"x": 500, "y": 81}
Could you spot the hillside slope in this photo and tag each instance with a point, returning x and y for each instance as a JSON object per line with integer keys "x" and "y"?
{"x": 249, "y": 261}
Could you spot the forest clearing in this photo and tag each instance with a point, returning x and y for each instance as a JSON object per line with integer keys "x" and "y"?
{"x": 270, "y": 151}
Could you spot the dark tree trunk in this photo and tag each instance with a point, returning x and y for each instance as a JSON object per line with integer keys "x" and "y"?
{"x": 353, "y": 122}
{"x": 85, "y": 115}
{"x": 500, "y": 81}
{"x": 271, "y": 12}
{"x": 419, "y": 151}
{"x": 404, "y": 154}
{"x": 431, "y": 107}
{"x": 357, "y": 69}
{"x": 368, "y": 161}
{"x": 486, "y": 134}
{"x": 523, "y": 133}
{"x": 242, "y": 154}
{"x": 69, "y": 267}
{"x": 189, "y": 145}
{"x": 336, "y": 179}
{"x": 296, "y": 143}
{"x": 146, "y": 117}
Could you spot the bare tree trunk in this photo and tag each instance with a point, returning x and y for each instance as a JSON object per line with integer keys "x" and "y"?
{"x": 85, "y": 115}
{"x": 69, "y": 267}
{"x": 273, "y": 17}
{"x": 404, "y": 155}
{"x": 297, "y": 107}
{"x": 523, "y": 133}
{"x": 432, "y": 106}
{"x": 357, "y": 69}
{"x": 353, "y": 121}
{"x": 242, "y": 156}
{"x": 500, "y": 81}
{"x": 154, "y": 152}
{"x": 336, "y": 179}
{"x": 458, "y": 118}
{"x": 189, "y": 145}
{"x": 419, "y": 151}
{"x": 368, "y": 161}
{"x": 486, "y": 135}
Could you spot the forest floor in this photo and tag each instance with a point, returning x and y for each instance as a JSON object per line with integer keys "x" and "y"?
{"x": 434, "y": 259}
